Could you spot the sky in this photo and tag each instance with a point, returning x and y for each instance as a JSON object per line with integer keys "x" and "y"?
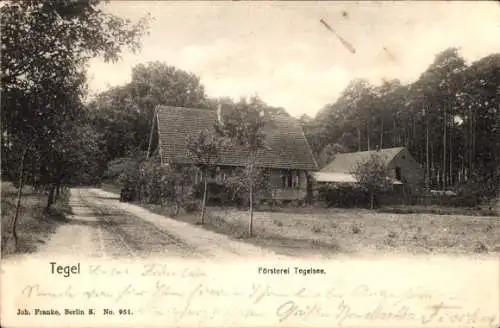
{"x": 281, "y": 52}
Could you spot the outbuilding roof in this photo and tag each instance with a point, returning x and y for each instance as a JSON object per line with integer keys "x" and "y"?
{"x": 345, "y": 163}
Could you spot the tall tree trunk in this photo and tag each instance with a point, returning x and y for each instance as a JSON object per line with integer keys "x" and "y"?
{"x": 473, "y": 152}
{"x": 450, "y": 170}
{"x": 250, "y": 223}
{"x": 372, "y": 196}
{"x": 427, "y": 166}
{"x": 151, "y": 136}
{"x": 50, "y": 198}
{"x": 178, "y": 200}
{"x": 414, "y": 134}
{"x": 58, "y": 187}
{"x": 18, "y": 202}
{"x": 394, "y": 132}
{"x": 359, "y": 139}
{"x": 443, "y": 176}
{"x": 368, "y": 134}
{"x": 205, "y": 191}
{"x": 433, "y": 166}
{"x": 467, "y": 157}
{"x": 381, "y": 134}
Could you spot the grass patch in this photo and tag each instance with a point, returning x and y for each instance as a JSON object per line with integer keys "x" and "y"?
{"x": 34, "y": 226}
{"x": 438, "y": 210}
{"x": 392, "y": 234}
{"x": 278, "y": 223}
{"x": 480, "y": 247}
{"x": 355, "y": 229}
{"x": 316, "y": 229}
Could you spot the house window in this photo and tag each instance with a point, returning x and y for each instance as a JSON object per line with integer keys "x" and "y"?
{"x": 284, "y": 179}
{"x": 290, "y": 179}
{"x": 398, "y": 173}
{"x": 296, "y": 180}
{"x": 221, "y": 176}
{"x": 197, "y": 177}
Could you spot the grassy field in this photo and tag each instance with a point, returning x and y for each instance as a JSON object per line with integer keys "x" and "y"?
{"x": 303, "y": 231}
{"x": 354, "y": 231}
{"x": 34, "y": 226}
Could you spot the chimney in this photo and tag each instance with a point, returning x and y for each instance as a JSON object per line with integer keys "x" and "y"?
{"x": 219, "y": 113}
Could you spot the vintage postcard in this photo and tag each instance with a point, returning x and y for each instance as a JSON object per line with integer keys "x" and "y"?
{"x": 250, "y": 164}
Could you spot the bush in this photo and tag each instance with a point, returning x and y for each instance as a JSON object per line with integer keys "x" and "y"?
{"x": 218, "y": 194}
{"x": 480, "y": 187}
{"x": 127, "y": 195}
{"x": 121, "y": 169}
{"x": 343, "y": 196}
{"x": 191, "y": 206}
{"x": 151, "y": 182}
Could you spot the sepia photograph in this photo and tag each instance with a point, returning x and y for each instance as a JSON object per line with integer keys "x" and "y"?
{"x": 250, "y": 163}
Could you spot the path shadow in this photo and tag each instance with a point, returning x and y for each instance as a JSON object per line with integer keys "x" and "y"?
{"x": 104, "y": 213}
{"x": 108, "y": 197}
{"x": 98, "y": 222}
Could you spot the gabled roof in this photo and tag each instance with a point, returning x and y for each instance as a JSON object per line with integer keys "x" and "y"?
{"x": 344, "y": 163}
{"x": 333, "y": 177}
{"x": 287, "y": 145}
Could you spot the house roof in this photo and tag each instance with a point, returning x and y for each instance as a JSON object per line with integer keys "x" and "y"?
{"x": 334, "y": 177}
{"x": 344, "y": 163}
{"x": 286, "y": 143}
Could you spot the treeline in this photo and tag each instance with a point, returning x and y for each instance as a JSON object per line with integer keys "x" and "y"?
{"x": 449, "y": 119}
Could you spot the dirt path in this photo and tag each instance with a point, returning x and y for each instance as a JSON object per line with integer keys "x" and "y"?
{"x": 208, "y": 243}
{"x": 103, "y": 227}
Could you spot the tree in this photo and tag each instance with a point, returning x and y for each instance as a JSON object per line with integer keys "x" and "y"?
{"x": 349, "y": 121}
{"x": 441, "y": 82}
{"x": 124, "y": 114}
{"x": 116, "y": 116}
{"x": 328, "y": 153}
{"x": 40, "y": 37}
{"x": 45, "y": 46}
{"x": 205, "y": 149}
{"x": 372, "y": 176}
{"x": 156, "y": 83}
{"x": 243, "y": 125}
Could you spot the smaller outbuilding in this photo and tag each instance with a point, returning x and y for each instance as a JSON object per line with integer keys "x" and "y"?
{"x": 403, "y": 170}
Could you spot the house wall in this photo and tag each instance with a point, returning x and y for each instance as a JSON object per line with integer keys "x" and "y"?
{"x": 284, "y": 184}
{"x": 281, "y": 189}
{"x": 411, "y": 172}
